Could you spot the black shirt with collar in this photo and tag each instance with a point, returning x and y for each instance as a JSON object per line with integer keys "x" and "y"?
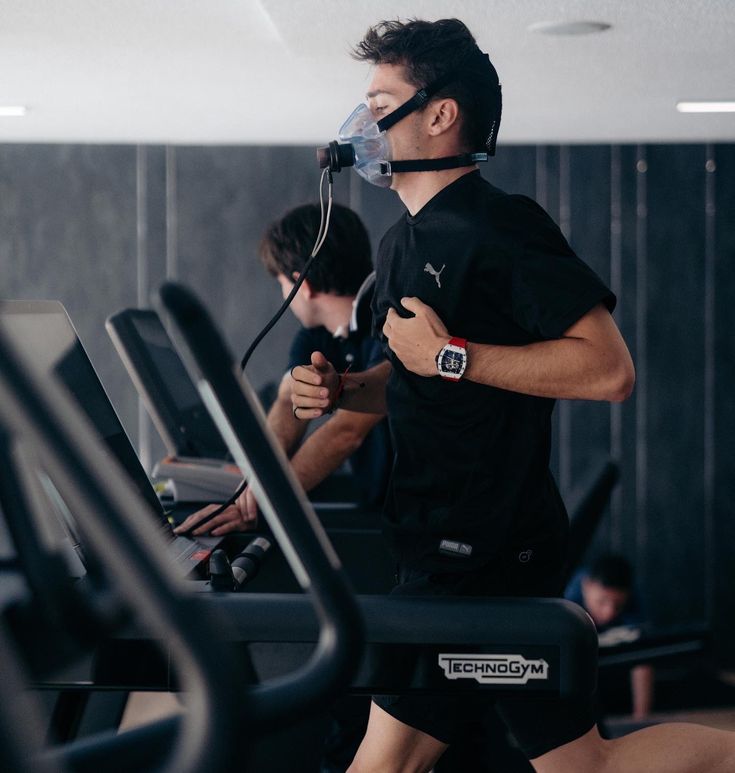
{"x": 471, "y": 476}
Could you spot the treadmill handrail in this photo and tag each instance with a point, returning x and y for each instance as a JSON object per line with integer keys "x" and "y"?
{"x": 93, "y": 483}
{"x": 21, "y": 723}
{"x": 404, "y": 635}
{"x": 237, "y": 413}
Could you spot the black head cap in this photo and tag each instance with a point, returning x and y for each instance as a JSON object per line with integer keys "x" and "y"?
{"x": 478, "y": 72}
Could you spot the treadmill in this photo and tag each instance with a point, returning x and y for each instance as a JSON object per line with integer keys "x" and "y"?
{"x": 542, "y": 648}
{"x": 130, "y": 583}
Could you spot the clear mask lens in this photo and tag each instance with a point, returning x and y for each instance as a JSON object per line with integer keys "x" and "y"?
{"x": 360, "y": 123}
{"x": 371, "y": 146}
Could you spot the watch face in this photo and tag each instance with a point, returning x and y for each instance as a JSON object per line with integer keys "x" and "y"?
{"x": 452, "y": 362}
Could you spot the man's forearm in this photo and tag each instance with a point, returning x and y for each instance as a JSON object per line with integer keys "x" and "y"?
{"x": 365, "y": 392}
{"x": 330, "y": 445}
{"x": 285, "y": 426}
{"x": 590, "y": 362}
{"x": 558, "y": 369}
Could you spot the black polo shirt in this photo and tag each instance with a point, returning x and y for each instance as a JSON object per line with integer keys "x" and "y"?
{"x": 471, "y": 462}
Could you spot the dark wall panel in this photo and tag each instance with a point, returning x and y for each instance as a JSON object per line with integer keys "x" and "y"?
{"x": 548, "y": 163}
{"x": 589, "y": 236}
{"x": 68, "y": 233}
{"x": 153, "y": 205}
{"x": 152, "y": 256}
{"x": 675, "y": 328}
{"x": 513, "y": 170}
{"x": 624, "y": 259}
{"x": 723, "y": 493}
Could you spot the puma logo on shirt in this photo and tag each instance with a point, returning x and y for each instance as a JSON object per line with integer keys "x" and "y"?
{"x": 431, "y": 270}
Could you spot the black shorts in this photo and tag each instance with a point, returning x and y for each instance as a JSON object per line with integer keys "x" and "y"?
{"x": 538, "y": 724}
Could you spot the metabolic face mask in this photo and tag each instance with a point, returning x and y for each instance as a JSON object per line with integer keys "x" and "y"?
{"x": 363, "y": 141}
{"x": 369, "y": 145}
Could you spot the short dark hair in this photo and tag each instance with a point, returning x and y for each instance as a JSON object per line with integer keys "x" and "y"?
{"x": 428, "y": 50}
{"x": 343, "y": 261}
{"x": 612, "y": 571}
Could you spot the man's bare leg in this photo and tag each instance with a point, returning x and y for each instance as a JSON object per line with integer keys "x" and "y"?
{"x": 390, "y": 746}
{"x": 675, "y": 747}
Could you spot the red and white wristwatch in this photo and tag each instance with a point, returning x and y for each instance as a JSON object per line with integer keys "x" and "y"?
{"x": 451, "y": 362}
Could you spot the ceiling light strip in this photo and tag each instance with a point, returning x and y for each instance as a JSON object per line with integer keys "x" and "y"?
{"x": 706, "y": 107}
{"x": 12, "y": 111}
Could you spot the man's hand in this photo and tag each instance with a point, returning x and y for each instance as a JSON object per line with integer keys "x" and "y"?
{"x": 417, "y": 340}
{"x": 313, "y": 387}
{"x": 240, "y": 516}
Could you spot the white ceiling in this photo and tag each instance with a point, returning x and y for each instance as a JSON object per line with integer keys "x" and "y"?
{"x": 278, "y": 71}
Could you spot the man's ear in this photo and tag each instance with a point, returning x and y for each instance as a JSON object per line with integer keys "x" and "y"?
{"x": 306, "y": 289}
{"x": 443, "y": 114}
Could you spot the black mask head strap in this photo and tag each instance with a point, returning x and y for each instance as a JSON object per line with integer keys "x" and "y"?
{"x": 432, "y": 164}
{"x": 417, "y": 101}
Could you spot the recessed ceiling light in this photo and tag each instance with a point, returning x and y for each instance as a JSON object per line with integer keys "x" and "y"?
{"x": 706, "y": 107}
{"x": 12, "y": 111}
{"x": 569, "y": 27}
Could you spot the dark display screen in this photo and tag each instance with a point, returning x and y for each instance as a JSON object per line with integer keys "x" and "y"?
{"x": 42, "y": 332}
